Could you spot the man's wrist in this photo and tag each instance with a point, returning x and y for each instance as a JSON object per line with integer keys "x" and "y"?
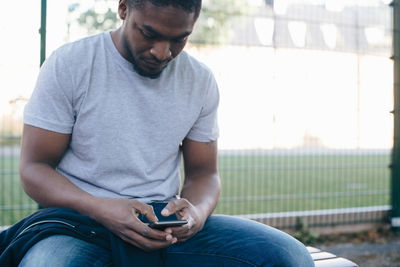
{"x": 90, "y": 206}
{"x": 202, "y": 212}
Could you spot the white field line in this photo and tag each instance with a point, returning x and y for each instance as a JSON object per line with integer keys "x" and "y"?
{"x": 316, "y": 212}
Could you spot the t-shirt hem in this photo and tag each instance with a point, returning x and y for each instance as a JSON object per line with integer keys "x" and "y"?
{"x": 203, "y": 138}
{"x": 47, "y": 125}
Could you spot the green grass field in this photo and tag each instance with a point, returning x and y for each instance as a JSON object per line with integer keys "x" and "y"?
{"x": 261, "y": 183}
{"x": 276, "y": 183}
{"x": 14, "y": 203}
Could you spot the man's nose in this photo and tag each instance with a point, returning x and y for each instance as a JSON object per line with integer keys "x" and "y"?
{"x": 161, "y": 50}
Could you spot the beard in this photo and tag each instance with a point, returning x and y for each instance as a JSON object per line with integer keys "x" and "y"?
{"x": 135, "y": 66}
{"x": 142, "y": 72}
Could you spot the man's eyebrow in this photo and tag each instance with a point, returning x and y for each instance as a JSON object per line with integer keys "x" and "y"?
{"x": 157, "y": 34}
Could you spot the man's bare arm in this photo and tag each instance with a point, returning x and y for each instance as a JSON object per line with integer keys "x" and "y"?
{"x": 202, "y": 185}
{"x": 41, "y": 151}
{"x": 201, "y": 189}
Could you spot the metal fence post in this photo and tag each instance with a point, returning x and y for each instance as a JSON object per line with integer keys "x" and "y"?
{"x": 395, "y": 166}
{"x": 42, "y": 31}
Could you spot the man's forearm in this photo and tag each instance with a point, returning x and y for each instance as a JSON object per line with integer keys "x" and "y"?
{"x": 203, "y": 192}
{"x": 49, "y": 188}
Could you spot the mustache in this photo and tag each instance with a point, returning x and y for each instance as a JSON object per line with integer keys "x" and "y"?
{"x": 155, "y": 60}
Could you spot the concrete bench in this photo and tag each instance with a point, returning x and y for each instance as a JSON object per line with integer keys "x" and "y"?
{"x": 326, "y": 259}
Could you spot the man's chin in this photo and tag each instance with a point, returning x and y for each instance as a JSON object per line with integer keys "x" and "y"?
{"x": 147, "y": 73}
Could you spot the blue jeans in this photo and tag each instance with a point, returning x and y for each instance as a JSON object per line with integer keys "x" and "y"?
{"x": 224, "y": 241}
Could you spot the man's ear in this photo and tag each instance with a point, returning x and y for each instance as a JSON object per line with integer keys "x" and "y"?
{"x": 122, "y": 9}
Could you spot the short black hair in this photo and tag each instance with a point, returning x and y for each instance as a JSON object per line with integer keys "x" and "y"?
{"x": 186, "y": 5}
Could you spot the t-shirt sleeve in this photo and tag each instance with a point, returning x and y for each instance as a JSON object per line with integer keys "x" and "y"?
{"x": 206, "y": 128}
{"x": 50, "y": 106}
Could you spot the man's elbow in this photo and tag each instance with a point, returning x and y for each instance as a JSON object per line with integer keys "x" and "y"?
{"x": 24, "y": 176}
{"x": 28, "y": 177}
{"x": 217, "y": 182}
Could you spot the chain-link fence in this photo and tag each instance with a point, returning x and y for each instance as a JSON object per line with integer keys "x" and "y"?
{"x": 306, "y": 93}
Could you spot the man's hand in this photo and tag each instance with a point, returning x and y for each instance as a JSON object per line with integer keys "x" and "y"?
{"x": 121, "y": 217}
{"x": 184, "y": 211}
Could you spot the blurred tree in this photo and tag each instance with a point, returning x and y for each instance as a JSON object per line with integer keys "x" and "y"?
{"x": 98, "y": 22}
{"x": 214, "y": 25}
{"x": 99, "y": 17}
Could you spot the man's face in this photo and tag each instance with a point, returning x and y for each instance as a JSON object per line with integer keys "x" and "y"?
{"x": 152, "y": 36}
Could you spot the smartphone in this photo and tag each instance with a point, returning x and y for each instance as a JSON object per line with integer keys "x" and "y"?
{"x": 163, "y": 222}
{"x": 166, "y": 224}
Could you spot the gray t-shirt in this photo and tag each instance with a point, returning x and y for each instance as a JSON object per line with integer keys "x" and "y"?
{"x": 126, "y": 129}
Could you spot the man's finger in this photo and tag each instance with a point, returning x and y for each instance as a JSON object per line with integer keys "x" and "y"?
{"x": 144, "y": 243}
{"x": 174, "y": 206}
{"x": 145, "y": 231}
{"x": 145, "y": 210}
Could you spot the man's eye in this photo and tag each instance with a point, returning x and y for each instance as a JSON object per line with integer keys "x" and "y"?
{"x": 146, "y": 35}
{"x": 180, "y": 40}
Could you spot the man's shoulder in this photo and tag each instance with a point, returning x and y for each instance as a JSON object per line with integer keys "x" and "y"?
{"x": 75, "y": 55}
{"x": 81, "y": 47}
{"x": 84, "y": 43}
{"x": 190, "y": 63}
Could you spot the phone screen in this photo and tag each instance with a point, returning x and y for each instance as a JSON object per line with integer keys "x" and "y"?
{"x": 163, "y": 222}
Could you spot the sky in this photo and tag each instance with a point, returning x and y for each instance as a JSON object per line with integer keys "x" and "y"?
{"x": 19, "y": 48}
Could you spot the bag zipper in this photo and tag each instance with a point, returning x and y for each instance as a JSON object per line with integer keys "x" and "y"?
{"x": 45, "y": 221}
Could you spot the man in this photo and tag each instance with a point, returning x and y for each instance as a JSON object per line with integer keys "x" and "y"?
{"x": 104, "y": 131}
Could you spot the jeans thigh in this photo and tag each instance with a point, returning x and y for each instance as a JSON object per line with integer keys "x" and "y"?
{"x": 62, "y": 250}
{"x": 232, "y": 241}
